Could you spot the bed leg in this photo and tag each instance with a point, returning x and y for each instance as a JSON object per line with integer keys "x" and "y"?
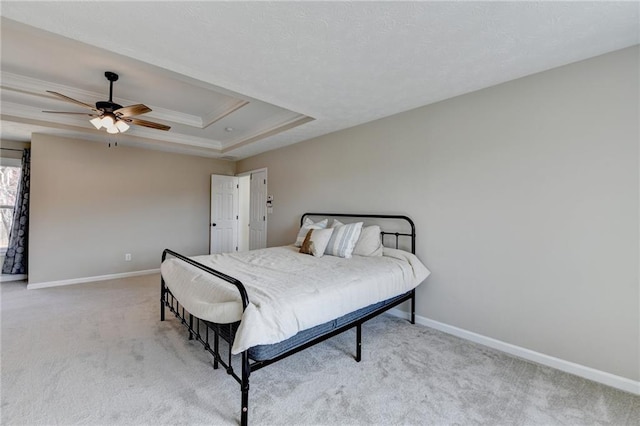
{"x": 358, "y": 342}
{"x": 162, "y": 297}
{"x": 190, "y": 327}
{"x": 413, "y": 306}
{"x": 245, "y": 389}
{"x": 216, "y": 341}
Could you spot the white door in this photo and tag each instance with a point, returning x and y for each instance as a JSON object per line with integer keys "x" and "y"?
{"x": 258, "y": 211}
{"x": 224, "y": 214}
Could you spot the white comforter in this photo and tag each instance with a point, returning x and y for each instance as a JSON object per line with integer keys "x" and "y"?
{"x": 288, "y": 291}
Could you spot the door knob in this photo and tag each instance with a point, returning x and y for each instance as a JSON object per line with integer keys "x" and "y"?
{"x": 213, "y": 224}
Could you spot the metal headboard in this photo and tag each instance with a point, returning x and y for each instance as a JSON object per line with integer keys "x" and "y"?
{"x": 383, "y": 233}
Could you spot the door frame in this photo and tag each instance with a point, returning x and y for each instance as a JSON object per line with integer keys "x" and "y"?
{"x": 266, "y": 176}
{"x": 247, "y": 173}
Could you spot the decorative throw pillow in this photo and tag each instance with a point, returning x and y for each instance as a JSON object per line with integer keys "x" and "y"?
{"x": 316, "y": 241}
{"x": 344, "y": 239}
{"x": 370, "y": 242}
{"x": 306, "y": 226}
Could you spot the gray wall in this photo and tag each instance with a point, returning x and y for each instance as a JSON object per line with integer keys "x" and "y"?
{"x": 525, "y": 196}
{"x": 91, "y": 204}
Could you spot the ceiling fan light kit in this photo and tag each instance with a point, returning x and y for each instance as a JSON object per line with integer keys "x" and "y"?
{"x": 114, "y": 118}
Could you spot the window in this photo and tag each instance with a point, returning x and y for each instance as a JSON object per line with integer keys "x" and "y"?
{"x": 9, "y": 178}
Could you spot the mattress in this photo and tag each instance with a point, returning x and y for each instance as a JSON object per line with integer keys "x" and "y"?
{"x": 288, "y": 292}
{"x": 269, "y": 352}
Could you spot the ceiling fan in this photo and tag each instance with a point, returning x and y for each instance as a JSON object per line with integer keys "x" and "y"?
{"x": 113, "y": 117}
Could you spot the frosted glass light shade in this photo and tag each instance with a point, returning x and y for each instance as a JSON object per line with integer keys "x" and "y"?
{"x": 122, "y": 126}
{"x": 112, "y": 129}
{"x": 107, "y": 121}
{"x": 97, "y": 122}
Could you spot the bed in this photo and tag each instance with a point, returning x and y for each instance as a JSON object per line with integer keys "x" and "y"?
{"x": 272, "y": 303}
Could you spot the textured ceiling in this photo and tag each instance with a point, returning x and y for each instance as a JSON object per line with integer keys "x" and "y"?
{"x": 342, "y": 63}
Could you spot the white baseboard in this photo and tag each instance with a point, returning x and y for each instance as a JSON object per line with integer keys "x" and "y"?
{"x": 599, "y": 376}
{"x": 12, "y": 277}
{"x": 33, "y": 286}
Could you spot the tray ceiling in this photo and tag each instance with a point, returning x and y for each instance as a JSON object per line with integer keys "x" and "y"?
{"x": 234, "y": 79}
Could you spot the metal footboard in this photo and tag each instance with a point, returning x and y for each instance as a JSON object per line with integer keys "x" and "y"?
{"x": 168, "y": 300}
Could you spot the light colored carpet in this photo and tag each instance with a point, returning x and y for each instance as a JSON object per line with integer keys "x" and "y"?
{"x": 97, "y": 354}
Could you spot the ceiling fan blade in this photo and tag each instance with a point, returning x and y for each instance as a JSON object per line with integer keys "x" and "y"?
{"x": 132, "y": 110}
{"x": 146, "y": 123}
{"x": 69, "y": 112}
{"x": 74, "y": 101}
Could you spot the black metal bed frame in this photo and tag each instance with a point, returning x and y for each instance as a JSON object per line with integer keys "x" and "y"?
{"x": 226, "y": 331}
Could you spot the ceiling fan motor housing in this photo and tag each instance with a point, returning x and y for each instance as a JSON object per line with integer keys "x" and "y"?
{"x": 107, "y": 106}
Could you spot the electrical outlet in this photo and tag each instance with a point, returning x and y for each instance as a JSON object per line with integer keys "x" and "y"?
{"x": 127, "y": 257}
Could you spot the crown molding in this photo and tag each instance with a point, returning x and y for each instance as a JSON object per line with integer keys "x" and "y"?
{"x": 219, "y": 113}
{"x": 280, "y": 127}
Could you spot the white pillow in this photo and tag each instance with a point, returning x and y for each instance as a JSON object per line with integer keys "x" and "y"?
{"x": 306, "y": 225}
{"x": 344, "y": 239}
{"x": 336, "y": 223}
{"x": 316, "y": 241}
{"x": 369, "y": 243}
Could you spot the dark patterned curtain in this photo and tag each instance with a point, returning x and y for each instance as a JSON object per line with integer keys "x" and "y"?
{"x": 15, "y": 261}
